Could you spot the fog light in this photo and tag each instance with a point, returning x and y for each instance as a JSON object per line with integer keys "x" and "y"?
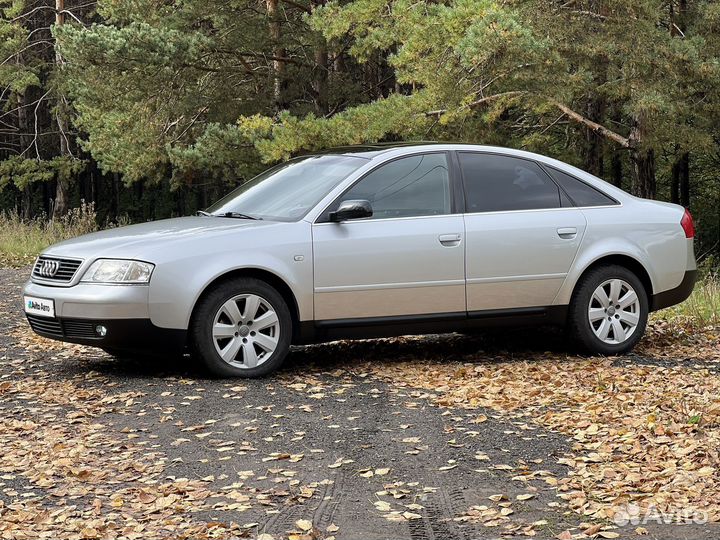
{"x": 100, "y": 330}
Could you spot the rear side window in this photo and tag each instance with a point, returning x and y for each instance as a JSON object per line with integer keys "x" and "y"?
{"x": 581, "y": 193}
{"x": 500, "y": 183}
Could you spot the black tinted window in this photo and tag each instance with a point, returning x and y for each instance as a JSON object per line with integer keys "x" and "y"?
{"x": 581, "y": 193}
{"x": 496, "y": 183}
{"x": 411, "y": 186}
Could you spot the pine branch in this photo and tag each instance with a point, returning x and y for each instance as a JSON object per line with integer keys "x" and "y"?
{"x": 594, "y": 126}
{"x": 478, "y": 102}
{"x": 567, "y": 111}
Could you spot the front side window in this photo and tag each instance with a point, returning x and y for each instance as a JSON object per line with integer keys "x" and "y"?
{"x": 410, "y": 186}
{"x": 495, "y": 183}
{"x": 290, "y": 190}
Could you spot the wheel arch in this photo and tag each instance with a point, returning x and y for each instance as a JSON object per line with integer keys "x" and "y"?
{"x": 275, "y": 281}
{"x": 626, "y": 261}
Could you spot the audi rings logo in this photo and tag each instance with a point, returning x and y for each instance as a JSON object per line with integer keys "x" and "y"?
{"x": 48, "y": 268}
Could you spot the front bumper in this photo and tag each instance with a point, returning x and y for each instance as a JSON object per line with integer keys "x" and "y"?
{"x": 95, "y": 301}
{"x": 121, "y": 334}
{"x": 122, "y": 309}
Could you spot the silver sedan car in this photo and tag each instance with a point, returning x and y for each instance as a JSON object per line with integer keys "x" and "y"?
{"x": 373, "y": 241}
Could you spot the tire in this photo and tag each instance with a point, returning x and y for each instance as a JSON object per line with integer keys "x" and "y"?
{"x": 229, "y": 341}
{"x": 592, "y": 315}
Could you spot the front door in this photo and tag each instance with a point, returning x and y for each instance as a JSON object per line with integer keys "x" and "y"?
{"x": 408, "y": 259}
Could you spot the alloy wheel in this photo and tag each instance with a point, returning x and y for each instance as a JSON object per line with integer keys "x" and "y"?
{"x": 614, "y": 311}
{"x": 246, "y": 331}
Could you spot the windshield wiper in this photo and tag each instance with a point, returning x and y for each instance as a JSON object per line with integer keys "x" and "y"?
{"x": 237, "y": 215}
{"x": 202, "y": 213}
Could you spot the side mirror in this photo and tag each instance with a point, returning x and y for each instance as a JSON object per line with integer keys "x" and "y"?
{"x": 352, "y": 210}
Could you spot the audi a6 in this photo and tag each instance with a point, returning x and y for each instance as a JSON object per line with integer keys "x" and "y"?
{"x": 372, "y": 241}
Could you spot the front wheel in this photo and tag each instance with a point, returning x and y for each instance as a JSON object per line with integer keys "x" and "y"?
{"x": 242, "y": 328}
{"x": 609, "y": 310}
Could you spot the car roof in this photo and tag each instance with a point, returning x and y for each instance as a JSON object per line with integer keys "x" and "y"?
{"x": 371, "y": 150}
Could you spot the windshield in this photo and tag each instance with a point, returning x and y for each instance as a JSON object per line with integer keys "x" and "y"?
{"x": 288, "y": 191}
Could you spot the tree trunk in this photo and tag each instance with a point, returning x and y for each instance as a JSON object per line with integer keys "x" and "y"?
{"x": 685, "y": 179}
{"x": 96, "y": 177}
{"x": 680, "y": 181}
{"x": 596, "y": 110}
{"x": 680, "y": 186}
{"x": 643, "y": 160}
{"x": 47, "y": 198}
{"x": 278, "y": 53}
{"x": 617, "y": 172}
{"x": 594, "y": 142}
{"x": 25, "y": 142}
{"x": 644, "y": 182}
{"x": 115, "y": 202}
{"x": 675, "y": 183}
{"x": 320, "y": 79}
{"x": 62, "y": 192}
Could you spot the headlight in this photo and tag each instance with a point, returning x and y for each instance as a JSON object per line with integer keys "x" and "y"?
{"x": 118, "y": 271}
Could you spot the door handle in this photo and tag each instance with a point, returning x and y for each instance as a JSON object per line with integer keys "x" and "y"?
{"x": 567, "y": 232}
{"x": 449, "y": 240}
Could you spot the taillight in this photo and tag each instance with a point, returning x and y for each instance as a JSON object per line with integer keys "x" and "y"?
{"x": 687, "y": 224}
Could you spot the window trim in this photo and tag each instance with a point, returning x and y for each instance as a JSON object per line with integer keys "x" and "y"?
{"x": 455, "y": 208}
{"x": 548, "y": 170}
{"x": 552, "y": 180}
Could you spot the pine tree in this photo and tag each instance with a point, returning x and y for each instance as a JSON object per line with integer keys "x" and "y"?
{"x": 531, "y": 63}
{"x": 37, "y": 142}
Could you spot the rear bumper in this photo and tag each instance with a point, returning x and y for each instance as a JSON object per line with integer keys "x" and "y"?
{"x": 676, "y": 295}
{"x": 126, "y": 334}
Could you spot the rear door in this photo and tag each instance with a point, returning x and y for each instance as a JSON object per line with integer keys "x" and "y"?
{"x": 408, "y": 259}
{"x": 522, "y": 232}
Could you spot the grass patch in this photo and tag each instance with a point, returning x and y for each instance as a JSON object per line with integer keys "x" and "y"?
{"x": 703, "y": 306}
{"x": 21, "y": 241}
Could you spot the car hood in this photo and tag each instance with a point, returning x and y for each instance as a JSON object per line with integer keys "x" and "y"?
{"x": 139, "y": 241}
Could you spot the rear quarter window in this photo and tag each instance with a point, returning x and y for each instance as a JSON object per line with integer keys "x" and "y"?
{"x": 581, "y": 193}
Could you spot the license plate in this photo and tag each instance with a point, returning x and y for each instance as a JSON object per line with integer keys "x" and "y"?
{"x": 39, "y": 306}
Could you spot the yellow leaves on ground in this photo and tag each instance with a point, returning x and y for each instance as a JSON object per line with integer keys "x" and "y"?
{"x": 370, "y": 473}
{"x": 644, "y": 431}
{"x": 339, "y": 463}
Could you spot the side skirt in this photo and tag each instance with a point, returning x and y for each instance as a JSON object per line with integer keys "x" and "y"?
{"x": 434, "y": 323}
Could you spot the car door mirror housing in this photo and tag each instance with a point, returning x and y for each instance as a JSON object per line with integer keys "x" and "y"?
{"x": 355, "y": 209}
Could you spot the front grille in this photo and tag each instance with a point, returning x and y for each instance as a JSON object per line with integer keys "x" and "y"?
{"x": 79, "y": 329}
{"x": 60, "y": 328}
{"x": 55, "y": 269}
{"x": 45, "y": 326}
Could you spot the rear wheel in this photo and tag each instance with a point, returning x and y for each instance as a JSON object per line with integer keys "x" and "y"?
{"x": 609, "y": 310}
{"x": 242, "y": 328}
